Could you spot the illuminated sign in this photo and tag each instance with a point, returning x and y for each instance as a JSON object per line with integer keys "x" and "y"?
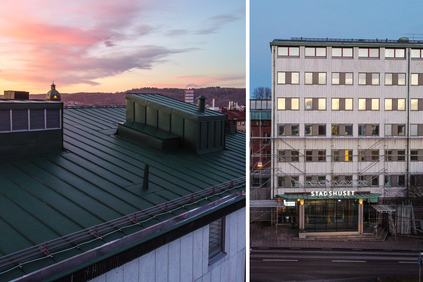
{"x": 331, "y": 193}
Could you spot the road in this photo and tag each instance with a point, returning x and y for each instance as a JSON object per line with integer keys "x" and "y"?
{"x": 329, "y": 265}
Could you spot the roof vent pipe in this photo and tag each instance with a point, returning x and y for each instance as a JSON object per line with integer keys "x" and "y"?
{"x": 201, "y": 103}
{"x": 145, "y": 179}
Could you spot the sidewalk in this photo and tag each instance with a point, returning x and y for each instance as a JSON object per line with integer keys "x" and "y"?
{"x": 265, "y": 237}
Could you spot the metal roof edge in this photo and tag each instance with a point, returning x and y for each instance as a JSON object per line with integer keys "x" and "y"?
{"x": 74, "y": 263}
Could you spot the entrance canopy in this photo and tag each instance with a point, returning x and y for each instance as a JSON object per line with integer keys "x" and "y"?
{"x": 321, "y": 195}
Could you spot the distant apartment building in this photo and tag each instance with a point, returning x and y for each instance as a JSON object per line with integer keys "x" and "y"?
{"x": 347, "y": 125}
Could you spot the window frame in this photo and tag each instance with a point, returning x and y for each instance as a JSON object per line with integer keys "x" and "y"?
{"x": 218, "y": 252}
{"x": 289, "y": 48}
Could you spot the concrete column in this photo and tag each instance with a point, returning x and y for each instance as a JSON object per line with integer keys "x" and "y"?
{"x": 301, "y": 216}
{"x": 360, "y": 216}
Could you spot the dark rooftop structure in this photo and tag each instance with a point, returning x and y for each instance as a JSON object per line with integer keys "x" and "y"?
{"x": 105, "y": 197}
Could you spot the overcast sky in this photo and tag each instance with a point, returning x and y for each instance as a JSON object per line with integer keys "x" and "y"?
{"x": 109, "y": 45}
{"x": 358, "y": 19}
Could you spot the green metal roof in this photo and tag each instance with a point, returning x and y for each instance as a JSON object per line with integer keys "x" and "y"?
{"x": 98, "y": 179}
{"x": 165, "y": 104}
{"x": 371, "y": 197}
{"x": 260, "y": 115}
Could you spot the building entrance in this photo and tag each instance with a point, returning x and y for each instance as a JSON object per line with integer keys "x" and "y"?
{"x": 331, "y": 215}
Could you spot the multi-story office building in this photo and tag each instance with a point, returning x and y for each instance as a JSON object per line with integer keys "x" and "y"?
{"x": 347, "y": 127}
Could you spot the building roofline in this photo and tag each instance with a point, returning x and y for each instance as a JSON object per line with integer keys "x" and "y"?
{"x": 303, "y": 41}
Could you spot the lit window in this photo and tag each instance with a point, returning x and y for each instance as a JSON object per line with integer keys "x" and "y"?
{"x": 375, "y": 79}
{"x": 416, "y": 79}
{"x": 388, "y": 104}
{"x": 295, "y": 104}
{"x": 375, "y": 104}
{"x": 395, "y": 79}
{"x": 315, "y": 78}
{"x": 288, "y": 77}
{"x": 216, "y": 240}
{"x": 342, "y": 78}
{"x": 308, "y": 103}
{"x": 322, "y": 104}
{"x": 362, "y": 78}
{"x": 281, "y": 103}
{"x": 348, "y": 104}
{"x": 361, "y": 104}
{"x": 414, "y": 104}
{"x": 401, "y": 104}
{"x": 335, "y": 104}
{"x": 335, "y": 129}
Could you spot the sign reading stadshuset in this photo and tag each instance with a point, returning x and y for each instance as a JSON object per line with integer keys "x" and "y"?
{"x": 331, "y": 193}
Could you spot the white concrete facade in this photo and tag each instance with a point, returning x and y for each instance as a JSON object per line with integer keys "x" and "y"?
{"x": 376, "y": 167}
{"x": 187, "y": 258}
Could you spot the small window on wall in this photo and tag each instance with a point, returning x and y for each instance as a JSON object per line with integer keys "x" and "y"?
{"x": 315, "y": 104}
{"x": 288, "y": 104}
{"x": 289, "y": 51}
{"x": 394, "y": 53}
{"x": 19, "y": 119}
{"x": 315, "y": 51}
{"x": 368, "y": 53}
{"x": 416, "y": 53}
{"x": 342, "y": 52}
{"x": 216, "y": 240}
{"x": 342, "y": 104}
{"x": 416, "y": 79}
{"x": 288, "y": 77}
{"x": 5, "y": 120}
{"x": 342, "y": 78}
{"x": 395, "y": 79}
{"x": 394, "y": 104}
{"x": 368, "y": 78}
{"x": 315, "y": 78}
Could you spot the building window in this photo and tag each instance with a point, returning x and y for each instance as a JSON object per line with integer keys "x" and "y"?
{"x": 414, "y": 155}
{"x": 288, "y": 104}
{"x": 315, "y": 51}
{"x": 308, "y": 129}
{"x": 394, "y": 155}
{"x": 368, "y": 104}
{"x": 281, "y": 130}
{"x": 342, "y": 104}
{"x": 289, "y": 51}
{"x": 395, "y": 79}
{"x": 342, "y": 130}
{"x": 416, "y": 53}
{"x": 368, "y": 78}
{"x": 321, "y": 155}
{"x": 288, "y": 156}
{"x": 416, "y": 129}
{"x": 394, "y": 104}
{"x": 342, "y": 78}
{"x": 416, "y": 79}
{"x": 309, "y": 156}
{"x": 284, "y": 182}
{"x": 342, "y": 155}
{"x": 311, "y": 104}
{"x": 216, "y": 240}
{"x": 368, "y": 53}
{"x": 315, "y": 78}
{"x": 288, "y": 129}
{"x": 342, "y": 52}
{"x": 391, "y": 53}
{"x": 416, "y": 104}
{"x": 288, "y": 77}
{"x": 368, "y": 130}
{"x": 5, "y": 120}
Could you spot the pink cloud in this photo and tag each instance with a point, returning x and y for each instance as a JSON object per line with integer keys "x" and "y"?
{"x": 63, "y": 47}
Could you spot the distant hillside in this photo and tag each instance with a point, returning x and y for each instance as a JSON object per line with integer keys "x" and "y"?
{"x": 222, "y": 96}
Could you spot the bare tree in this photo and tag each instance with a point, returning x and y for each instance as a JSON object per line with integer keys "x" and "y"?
{"x": 262, "y": 93}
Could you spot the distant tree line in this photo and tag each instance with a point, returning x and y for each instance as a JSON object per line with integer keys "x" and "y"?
{"x": 262, "y": 93}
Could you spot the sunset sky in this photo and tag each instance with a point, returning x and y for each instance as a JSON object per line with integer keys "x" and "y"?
{"x": 108, "y": 45}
